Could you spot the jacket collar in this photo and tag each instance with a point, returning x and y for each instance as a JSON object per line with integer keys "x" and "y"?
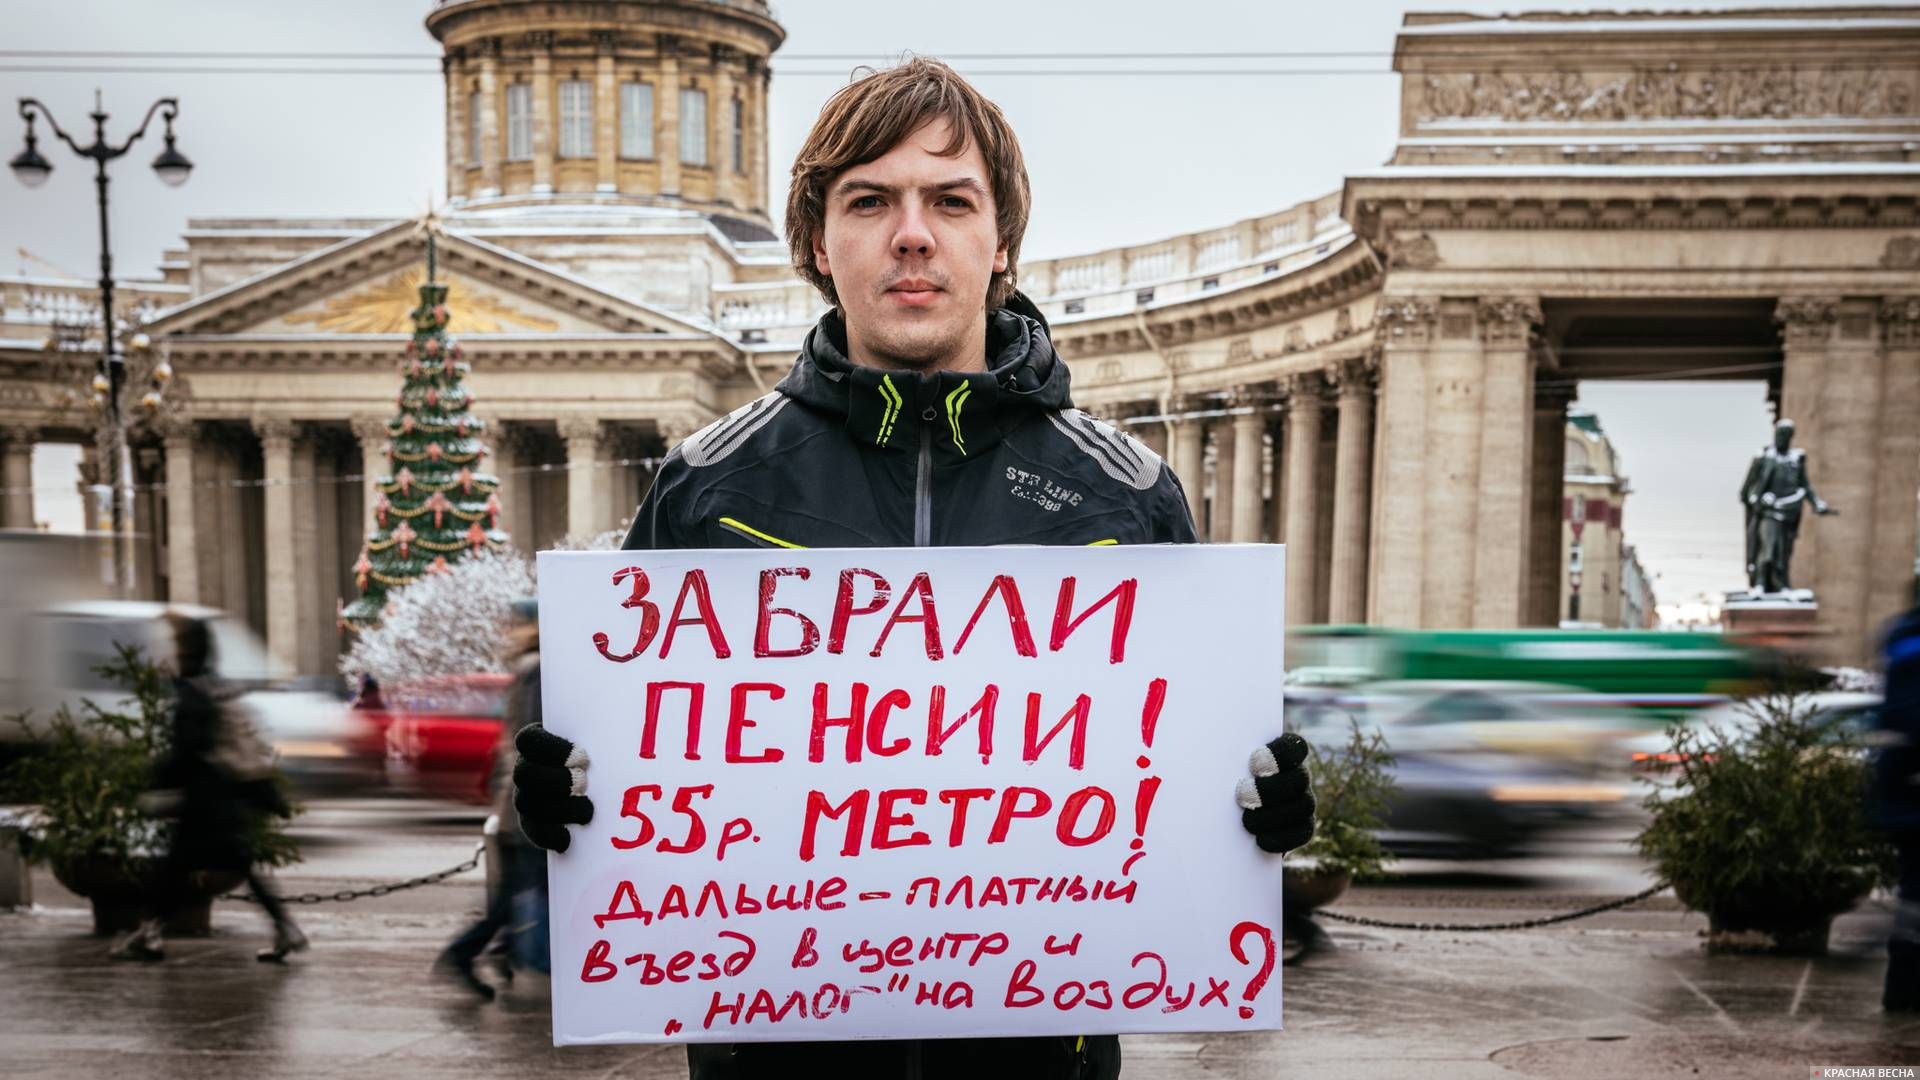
{"x": 966, "y": 413}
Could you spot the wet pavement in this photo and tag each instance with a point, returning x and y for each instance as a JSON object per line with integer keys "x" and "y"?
{"x": 1628, "y": 993}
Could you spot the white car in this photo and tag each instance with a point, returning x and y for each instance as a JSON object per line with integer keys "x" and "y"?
{"x": 58, "y": 650}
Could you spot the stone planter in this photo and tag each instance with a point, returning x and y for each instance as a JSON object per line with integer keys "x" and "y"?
{"x": 118, "y": 895}
{"x": 1775, "y": 925}
{"x": 1309, "y": 888}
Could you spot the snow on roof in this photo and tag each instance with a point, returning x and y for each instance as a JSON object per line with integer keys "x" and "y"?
{"x": 1638, "y": 24}
{"x": 1651, "y": 172}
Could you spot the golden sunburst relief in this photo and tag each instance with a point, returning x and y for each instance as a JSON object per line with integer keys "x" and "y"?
{"x": 387, "y": 308}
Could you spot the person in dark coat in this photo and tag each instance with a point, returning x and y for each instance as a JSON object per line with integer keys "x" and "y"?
{"x": 927, "y": 408}
{"x": 1897, "y": 804}
{"x": 519, "y": 889}
{"x": 215, "y": 782}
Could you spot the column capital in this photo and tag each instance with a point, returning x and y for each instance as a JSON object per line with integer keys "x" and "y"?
{"x": 19, "y": 436}
{"x": 539, "y": 40}
{"x": 1807, "y": 320}
{"x": 1303, "y": 387}
{"x": 575, "y": 428}
{"x": 1406, "y": 320}
{"x": 605, "y": 40}
{"x": 276, "y": 431}
{"x": 1508, "y": 320}
{"x": 486, "y": 48}
{"x": 1354, "y": 376}
{"x": 1255, "y": 396}
{"x": 669, "y": 45}
{"x": 369, "y": 428}
{"x": 174, "y": 428}
{"x": 1900, "y": 321}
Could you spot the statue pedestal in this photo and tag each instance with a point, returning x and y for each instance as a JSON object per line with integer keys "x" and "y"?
{"x": 1787, "y": 621}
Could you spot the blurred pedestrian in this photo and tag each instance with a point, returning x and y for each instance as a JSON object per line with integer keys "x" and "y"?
{"x": 1897, "y": 804}
{"x": 516, "y": 904}
{"x": 214, "y": 782}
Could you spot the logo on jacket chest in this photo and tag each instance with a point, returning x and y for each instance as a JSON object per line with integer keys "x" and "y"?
{"x": 1040, "y": 491}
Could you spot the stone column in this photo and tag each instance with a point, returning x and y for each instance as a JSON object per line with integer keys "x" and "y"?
{"x": 1898, "y": 475}
{"x": 1545, "y": 525}
{"x": 1189, "y": 456}
{"x": 1275, "y": 449}
{"x": 1151, "y": 433}
{"x": 503, "y": 452}
{"x": 1249, "y": 463}
{"x": 1303, "y": 496}
{"x": 1844, "y": 451}
{"x": 492, "y": 145}
{"x": 1456, "y": 374}
{"x": 755, "y": 87}
{"x": 543, "y": 121}
{"x": 606, "y": 114}
{"x": 666, "y": 140}
{"x": 1353, "y": 484}
{"x": 1407, "y": 328}
{"x": 726, "y": 187}
{"x": 372, "y": 432}
{"x": 17, "y": 476}
{"x": 1807, "y": 331}
{"x": 586, "y": 479}
{"x": 1220, "y": 518}
{"x": 1503, "y": 539}
{"x": 283, "y": 597}
{"x": 183, "y": 539}
{"x": 306, "y": 556}
{"x": 454, "y": 68}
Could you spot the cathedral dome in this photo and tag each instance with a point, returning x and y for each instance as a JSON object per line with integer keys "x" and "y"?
{"x": 660, "y": 103}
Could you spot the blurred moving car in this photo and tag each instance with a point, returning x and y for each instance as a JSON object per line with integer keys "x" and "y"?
{"x": 1854, "y": 715}
{"x": 56, "y": 651}
{"x": 439, "y": 735}
{"x": 1482, "y": 769}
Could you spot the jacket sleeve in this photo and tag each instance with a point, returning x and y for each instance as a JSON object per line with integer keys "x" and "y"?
{"x": 1172, "y": 519}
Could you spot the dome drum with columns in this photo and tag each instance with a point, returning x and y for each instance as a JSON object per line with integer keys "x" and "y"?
{"x": 1378, "y": 377}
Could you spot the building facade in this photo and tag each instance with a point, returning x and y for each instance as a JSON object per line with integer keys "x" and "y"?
{"x": 1603, "y": 584}
{"x": 1377, "y": 378}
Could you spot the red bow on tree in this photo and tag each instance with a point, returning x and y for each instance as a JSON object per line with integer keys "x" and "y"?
{"x": 380, "y": 509}
{"x": 404, "y": 480}
{"x": 493, "y": 509}
{"x": 361, "y": 568}
{"x": 439, "y": 505}
{"x": 434, "y": 452}
{"x": 433, "y": 346}
{"x": 466, "y": 479}
{"x": 438, "y": 565}
{"x": 477, "y": 537}
{"x": 405, "y": 536}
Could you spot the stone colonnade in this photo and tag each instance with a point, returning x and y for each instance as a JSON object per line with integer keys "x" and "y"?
{"x": 1284, "y": 461}
{"x": 264, "y": 517}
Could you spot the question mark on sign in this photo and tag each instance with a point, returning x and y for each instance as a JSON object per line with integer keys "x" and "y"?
{"x": 1259, "y": 979}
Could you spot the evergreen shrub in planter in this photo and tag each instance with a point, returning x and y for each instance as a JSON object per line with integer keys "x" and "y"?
{"x": 89, "y": 778}
{"x": 1352, "y": 788}
{"x": 1763, "y": 827}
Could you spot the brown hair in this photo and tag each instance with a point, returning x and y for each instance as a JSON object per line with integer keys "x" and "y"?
{"x": 869, "y": 117}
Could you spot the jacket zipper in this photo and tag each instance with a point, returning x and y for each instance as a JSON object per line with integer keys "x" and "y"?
{"x": 755, "y": 536}
{"x": 923, "y": 484}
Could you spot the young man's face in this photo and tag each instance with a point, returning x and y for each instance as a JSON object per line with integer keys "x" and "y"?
{"x": 911, "y": 245}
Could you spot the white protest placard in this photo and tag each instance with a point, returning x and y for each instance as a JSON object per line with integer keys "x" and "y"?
{"x": 897, "y": 793}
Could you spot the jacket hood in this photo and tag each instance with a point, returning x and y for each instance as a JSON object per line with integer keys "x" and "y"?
{"x": 968, "y": 412}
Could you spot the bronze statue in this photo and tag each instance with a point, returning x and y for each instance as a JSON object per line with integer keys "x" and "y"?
{"x": 1776, "y": 489}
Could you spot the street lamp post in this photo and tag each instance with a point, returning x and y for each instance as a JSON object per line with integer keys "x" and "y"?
{"x": 172, "y": 167}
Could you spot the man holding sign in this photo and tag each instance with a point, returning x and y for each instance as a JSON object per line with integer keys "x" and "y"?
{"x": 927, "y": 409}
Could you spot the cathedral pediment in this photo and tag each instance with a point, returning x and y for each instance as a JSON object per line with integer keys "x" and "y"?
{"x": 369, "y": 285}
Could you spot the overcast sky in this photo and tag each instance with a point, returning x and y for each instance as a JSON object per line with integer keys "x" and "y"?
{"x": 1115, "y": 159}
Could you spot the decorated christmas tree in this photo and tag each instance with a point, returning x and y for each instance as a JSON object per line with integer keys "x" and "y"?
{"x": 434, "y": 506}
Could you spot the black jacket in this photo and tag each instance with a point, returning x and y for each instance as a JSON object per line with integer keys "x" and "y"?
{"x": 845, "y": 456}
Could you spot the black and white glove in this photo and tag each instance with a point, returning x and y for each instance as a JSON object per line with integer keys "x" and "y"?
{"x": 1276, "y": 801}
{"x": 549, "y": 787}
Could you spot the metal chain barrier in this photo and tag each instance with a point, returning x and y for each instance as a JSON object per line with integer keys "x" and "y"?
{"x": 1524, "y": 924}
{"x": 378, "y": 890}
